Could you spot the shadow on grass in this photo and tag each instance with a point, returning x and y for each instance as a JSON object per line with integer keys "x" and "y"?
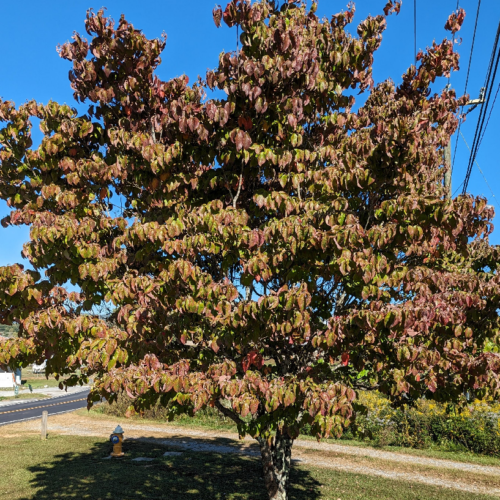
{"x": 197, "y": 473}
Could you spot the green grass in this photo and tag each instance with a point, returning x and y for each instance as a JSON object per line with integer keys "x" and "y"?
{"x": 23, "y": 396}
{"x": 39, "y": 382}
{"x": 72, "y": 467}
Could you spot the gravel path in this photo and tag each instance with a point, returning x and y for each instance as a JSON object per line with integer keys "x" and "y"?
{"x": 399, "y": 457}
{"x": 335, "y": 448}
{"x": 405, "y": 476}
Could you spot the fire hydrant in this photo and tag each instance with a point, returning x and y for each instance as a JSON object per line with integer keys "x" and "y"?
{"x": 117, "y": 439}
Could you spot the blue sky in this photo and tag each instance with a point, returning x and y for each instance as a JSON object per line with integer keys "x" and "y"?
{"x": 32, "y": 69}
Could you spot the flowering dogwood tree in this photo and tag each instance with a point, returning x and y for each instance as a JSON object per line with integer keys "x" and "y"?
{"x": 271, "y": 253}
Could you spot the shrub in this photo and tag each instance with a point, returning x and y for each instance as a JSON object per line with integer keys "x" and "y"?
{"x": 475, "y": 428}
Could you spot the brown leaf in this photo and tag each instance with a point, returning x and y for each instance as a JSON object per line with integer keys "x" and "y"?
{"x": 245, "y": 122}
{"x": 183, "y": 125}
{"x": 217, "y": 15}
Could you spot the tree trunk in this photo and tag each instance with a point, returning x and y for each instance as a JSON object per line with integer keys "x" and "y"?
{"x": 276, "y": 460}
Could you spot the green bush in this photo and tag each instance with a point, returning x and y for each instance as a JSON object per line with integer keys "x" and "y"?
{"x": 479, "y": 434}
{"x": 475, "y": 429}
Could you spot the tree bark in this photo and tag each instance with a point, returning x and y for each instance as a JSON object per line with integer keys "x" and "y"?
{"x": 276, "y": 461}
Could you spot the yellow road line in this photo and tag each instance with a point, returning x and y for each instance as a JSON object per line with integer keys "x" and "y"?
{"x": 44, "y": 406}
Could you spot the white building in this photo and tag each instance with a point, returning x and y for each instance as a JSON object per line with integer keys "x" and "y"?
{"x": 9, "y": 378}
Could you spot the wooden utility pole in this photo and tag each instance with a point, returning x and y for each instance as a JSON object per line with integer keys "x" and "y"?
{"x": 45, "y": 416}
{"x": 447, "y": 175}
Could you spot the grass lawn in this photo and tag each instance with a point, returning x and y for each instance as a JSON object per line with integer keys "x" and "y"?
{"x": 72, "y": 467}
{"x": 38, "y": 381}
{"x": 22, "y": 397}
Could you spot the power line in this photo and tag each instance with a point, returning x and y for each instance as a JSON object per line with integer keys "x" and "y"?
{"x": 482, "y": 173}
{"x": 415, "y": 30}
{"x": 479, "y": 134}
{"x": 490, "y": 79}
{"x": 466, "y": 79}
{"x": 458, "y": 189}
{"x": 489, "y": 116}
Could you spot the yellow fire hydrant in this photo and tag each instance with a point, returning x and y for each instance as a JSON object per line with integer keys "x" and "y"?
{"x": 117, "y": 439}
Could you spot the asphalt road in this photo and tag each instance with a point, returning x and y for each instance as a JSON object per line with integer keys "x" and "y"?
{"x": 32, "y": 410}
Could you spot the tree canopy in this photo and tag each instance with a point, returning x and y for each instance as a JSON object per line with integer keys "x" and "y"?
{"x": 270, "y": 253}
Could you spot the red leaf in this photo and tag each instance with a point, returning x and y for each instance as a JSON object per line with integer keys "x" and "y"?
{"x": 392, "y": 7}
{"x": 217, "y": 15}
{"x": 345, "y": 358}
{"x": 259, "y": 361}
{"x": 455, "y": 21}
{"x": 245, "y": 122}
{"x": 214, "y": 346}
{"x": 228, "y": 15}
{"x": 183, "y": 125}
{"x": 242, "y": 140}
{"x": 292, "y": 120}
{"x": 247, "y": 142}
{"x": 193, "y": 123}
{"x": 252, "y": 358}
{"x": 245, "y": 364}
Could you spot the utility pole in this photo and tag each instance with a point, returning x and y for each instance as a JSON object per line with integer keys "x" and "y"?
{"x": 447, "y": 149}
{"x": 447, "y": 175}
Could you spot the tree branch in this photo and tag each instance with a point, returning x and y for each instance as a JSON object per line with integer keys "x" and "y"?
{"x": 235, "y": 199}
{"x": 228, "y": 413}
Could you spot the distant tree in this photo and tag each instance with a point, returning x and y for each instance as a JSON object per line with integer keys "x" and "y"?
{"x": 271, "y": 253}
{"x": 9, "y": 330}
